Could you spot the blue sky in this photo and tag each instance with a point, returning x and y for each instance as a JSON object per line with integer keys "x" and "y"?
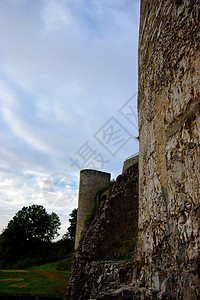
{"x": 68, "y": 70}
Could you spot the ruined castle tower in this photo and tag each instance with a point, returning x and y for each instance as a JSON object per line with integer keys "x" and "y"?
{"x": 169, "y": 130}
{"x": 90, "y": 182}
{"x": 165, "y": 263}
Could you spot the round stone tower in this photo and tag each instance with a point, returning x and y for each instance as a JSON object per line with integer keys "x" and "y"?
{"x": 90, "y": 182}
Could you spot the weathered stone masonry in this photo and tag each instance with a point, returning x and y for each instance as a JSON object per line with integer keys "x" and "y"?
{"x": 169, "y": 128}
{"x": 166, "y": 262}
{"x": 90, "y": 182}
{"x": 114, "y": 228}
{"x": 111, "y": 234}
{"x": 130, "y": 161}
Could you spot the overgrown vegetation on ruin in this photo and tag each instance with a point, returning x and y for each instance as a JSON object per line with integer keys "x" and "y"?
{"x": 90, "y": 217}
{"x": 106, "y": 188}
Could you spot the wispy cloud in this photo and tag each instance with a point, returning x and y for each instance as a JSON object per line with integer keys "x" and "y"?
{"x": 66, "y": 68}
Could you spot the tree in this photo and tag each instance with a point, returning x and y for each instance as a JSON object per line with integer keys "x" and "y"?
{"x": 29, "y": 227}
{"x": 33, "y": 223}
{"x": 72, "y": 227}
{"x": 71, "y": 231}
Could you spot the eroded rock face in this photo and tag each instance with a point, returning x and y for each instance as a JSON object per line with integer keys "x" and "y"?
{"x": 98, "y": 279}
{"x": 169, "y": 128}
{"x": 166, "y": 262}
{"x": 112, "y": 234}
{"x": 114, "y": 229}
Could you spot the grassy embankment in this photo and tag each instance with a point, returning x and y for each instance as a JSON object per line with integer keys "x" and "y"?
{"x": 45, "y": 280}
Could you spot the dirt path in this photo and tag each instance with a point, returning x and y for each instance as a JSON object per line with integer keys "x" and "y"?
{"x": 52, "y": 276}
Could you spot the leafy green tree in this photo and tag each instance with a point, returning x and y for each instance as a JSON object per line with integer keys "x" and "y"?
{"x": 72, "y": 227}
{"x": 33, "y": 223}
{"x": 1, "y": 249}
{"x": 30, "y": 227}
{"x": 71, "y": 231}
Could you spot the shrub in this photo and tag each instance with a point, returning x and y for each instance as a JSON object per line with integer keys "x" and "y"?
{"x": 27, "y": 262}
{"x": 65, "y": 265}
{"x": 91, "y": 215}
{"x": 106, "y": 188}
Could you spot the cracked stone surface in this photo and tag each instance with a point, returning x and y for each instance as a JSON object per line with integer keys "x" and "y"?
{"x": 166, "y": 262}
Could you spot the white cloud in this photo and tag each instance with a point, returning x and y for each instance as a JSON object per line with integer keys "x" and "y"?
{"x": 55, "y": 15}
{"x": 66, "y": 68}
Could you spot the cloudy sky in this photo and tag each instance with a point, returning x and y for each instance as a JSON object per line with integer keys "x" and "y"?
{"x": 68, "y": 91}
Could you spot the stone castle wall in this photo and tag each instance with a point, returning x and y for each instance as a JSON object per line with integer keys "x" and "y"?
{"x": 114, "y": 229}
{"x": 90, "y": 182}
{"x": 111, "y": 235}
{"x": 130, "y": 162}
{"x": 169, "y": 129}
{"x": 165, "y": 264}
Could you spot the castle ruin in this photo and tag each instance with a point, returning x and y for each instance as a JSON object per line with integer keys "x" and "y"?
{"x": 90, "y": 182}
{"x": 165, "y": 263}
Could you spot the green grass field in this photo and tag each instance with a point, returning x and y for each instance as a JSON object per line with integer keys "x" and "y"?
{"x": 36, "y": 281}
